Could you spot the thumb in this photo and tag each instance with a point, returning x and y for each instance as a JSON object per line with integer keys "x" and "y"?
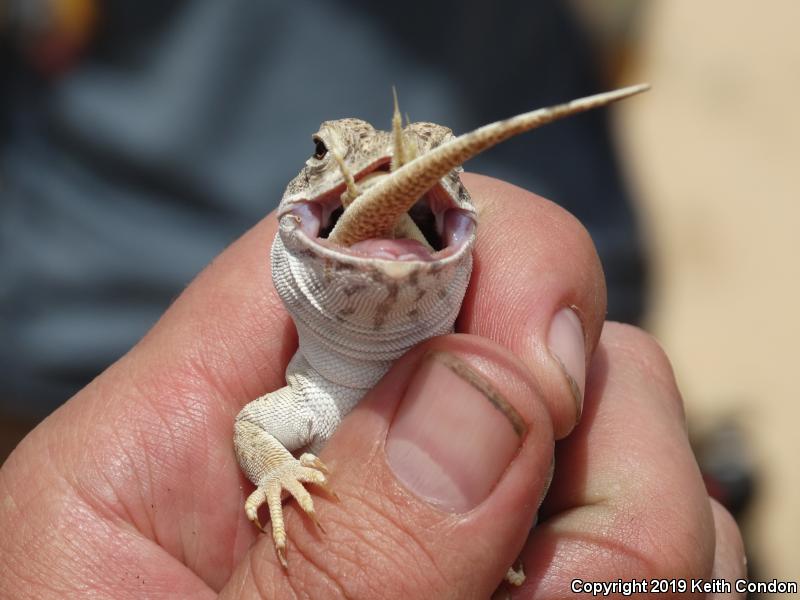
{"x": 439, "y": 471}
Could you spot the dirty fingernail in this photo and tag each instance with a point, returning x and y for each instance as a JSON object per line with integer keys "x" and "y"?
{"x": 453, "y": 436}
{"x": 566, "y": 344}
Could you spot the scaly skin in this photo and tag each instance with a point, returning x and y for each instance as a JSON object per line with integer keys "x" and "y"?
{"x": 356, "y": 310}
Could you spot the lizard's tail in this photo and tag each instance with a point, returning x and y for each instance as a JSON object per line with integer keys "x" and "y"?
{"x": 376, "y": 211}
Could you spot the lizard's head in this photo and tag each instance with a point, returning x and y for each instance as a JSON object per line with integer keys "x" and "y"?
{"x": 352, "y": 162}
{"x": 393, "y": 200}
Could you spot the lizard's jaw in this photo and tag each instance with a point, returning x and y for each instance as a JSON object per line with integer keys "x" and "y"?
{"x": 447, "y": 229}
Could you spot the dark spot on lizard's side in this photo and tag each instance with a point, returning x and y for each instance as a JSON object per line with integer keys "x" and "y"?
{"x": 392, "y": 290}
{"x": 347, "y": 311}
{"x": 328, "y": 270}
{"x": 413, "y": 314}
{"x": 413, "y": 279}
{"x": 420, "y": 295}
{"x": 442, "y": 293}
{"x": 382, "y": 310}
{"x": 378, "y": 277}
{"x": 353, "y": 288}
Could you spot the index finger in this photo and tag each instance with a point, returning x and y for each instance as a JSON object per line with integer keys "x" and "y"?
{"x": 538, "y": 289}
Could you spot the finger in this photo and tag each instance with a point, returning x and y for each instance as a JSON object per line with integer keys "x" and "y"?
{"x": 729, "y": 559}
{"x": 159, "y": 441}
{"x": 144, "y": 476}
{"x": 227, "y": 339}
{"x": 627, "y": 500}
{"x": 228, "y": 328}
{"x": 439, "y": 472}
{"x": 537, "y": 288}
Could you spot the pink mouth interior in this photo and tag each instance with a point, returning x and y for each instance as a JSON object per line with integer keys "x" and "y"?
{"x": 399, "y": 249}
{"x": 454, "y": 227}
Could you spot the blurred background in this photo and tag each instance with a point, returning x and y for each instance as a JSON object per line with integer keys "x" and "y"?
{"x": 138, "y": 139}
{"x": 713, "y": 155}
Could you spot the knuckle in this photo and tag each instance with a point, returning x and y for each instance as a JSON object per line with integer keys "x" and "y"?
{"x": 576, "y": 232}
{"x": 574, "y": 241}
{"x": 573, "y": 247}
{"x": 644, "y": 357}
{"x": 730, "y": 553}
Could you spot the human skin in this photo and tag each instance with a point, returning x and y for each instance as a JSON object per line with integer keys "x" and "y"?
{"x": 131, "y": 489}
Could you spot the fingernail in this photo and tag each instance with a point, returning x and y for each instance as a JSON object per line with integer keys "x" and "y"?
{"x": 453, "y": 436}
{"x": 547, "y": 484}
{"x": 566, "y": 344}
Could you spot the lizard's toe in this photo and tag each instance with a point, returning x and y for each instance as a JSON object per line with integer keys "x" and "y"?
{"x": 516, "y": 577}
{"x": 311, "y": 461}
{"x": 253, "y": 503}
{"x": 289, "y": 477}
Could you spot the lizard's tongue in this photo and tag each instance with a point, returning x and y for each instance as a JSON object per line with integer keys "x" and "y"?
{"x": 457, "y": 226}
{"x": 399, "y": 249}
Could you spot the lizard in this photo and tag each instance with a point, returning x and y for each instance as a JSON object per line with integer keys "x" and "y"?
{"x": 373, "y": 255}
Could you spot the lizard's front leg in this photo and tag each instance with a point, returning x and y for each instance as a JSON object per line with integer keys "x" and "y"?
{"x": 266, "y": 431}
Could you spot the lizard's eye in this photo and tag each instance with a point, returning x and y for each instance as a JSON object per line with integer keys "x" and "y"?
{"x": 320, "y": 149}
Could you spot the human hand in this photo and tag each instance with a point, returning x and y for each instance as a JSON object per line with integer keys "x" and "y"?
{"x": 131, "y": 489}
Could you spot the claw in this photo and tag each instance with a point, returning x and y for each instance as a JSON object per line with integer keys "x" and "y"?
{"x": 251, "y": 506}
{"x": 309, "y": 460}
{"x": 281, "y": 551}
{"x": 326, "y": 487}
{"x": 313, "y": 516}
{"x": 258, "y": 524}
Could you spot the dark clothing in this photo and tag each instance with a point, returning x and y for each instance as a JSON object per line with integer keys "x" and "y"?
{"x": 183, "y": 122}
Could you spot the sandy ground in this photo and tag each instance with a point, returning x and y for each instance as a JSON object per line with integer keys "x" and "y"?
{"x": 714, "y": 155}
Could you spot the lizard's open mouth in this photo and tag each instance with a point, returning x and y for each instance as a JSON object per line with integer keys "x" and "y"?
{"x": 407, "y": 214}
{"x": 444, "y": 226}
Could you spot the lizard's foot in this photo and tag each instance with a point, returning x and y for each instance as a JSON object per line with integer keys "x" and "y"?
{"x": 516, "y": 577}
{"x": 290, "y": 477}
